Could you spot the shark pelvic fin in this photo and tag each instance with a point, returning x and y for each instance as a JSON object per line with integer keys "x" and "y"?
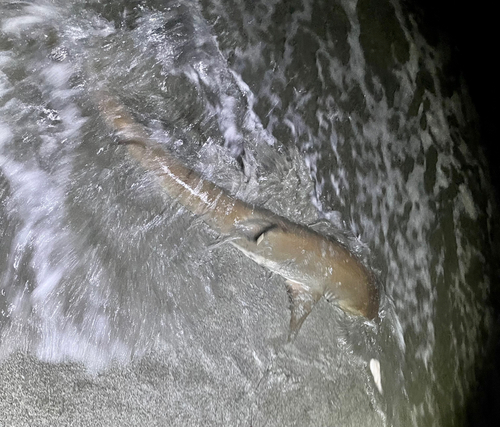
{"x": 301, "y": 304}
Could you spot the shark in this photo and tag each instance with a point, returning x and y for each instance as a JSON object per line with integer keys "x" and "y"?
{"x": 313, "y": 265}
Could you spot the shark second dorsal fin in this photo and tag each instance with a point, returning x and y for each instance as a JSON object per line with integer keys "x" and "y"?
{"x": 301, "y": 304}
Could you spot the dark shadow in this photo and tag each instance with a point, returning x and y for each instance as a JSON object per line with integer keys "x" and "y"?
{"x": 469, "y": 31}
{"x": 483, "y": 408}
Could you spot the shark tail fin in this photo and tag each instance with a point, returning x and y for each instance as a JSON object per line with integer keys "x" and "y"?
{"x": 302, "y": 302}
{"x": 121, "y": 121}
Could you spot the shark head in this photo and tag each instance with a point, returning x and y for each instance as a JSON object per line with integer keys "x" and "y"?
{"x": 313, "y": 265}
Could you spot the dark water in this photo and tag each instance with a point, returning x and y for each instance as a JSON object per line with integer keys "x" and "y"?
{"x": 113, "y": 311}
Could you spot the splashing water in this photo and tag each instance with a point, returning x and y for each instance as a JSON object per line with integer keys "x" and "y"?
{"x": 313, "y": 110}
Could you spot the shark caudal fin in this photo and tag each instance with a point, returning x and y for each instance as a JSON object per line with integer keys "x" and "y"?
{"x": 119, "y": 119}
{"x": 302, "y": 302}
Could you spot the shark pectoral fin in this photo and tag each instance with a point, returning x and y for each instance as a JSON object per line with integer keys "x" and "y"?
{"x": 301, "y": 304}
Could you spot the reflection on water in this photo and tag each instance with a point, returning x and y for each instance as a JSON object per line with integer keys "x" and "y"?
{"x": 310, "y": 109}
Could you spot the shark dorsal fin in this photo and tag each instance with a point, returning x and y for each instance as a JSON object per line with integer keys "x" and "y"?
{"x": 301, "y": 304}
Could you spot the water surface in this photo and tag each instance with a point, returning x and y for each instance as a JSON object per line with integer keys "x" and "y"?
{"x": 113, "y": 307}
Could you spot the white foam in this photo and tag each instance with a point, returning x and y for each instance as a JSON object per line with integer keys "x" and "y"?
{"x": 34, "y": 14}
{"x": 14, "y": 26}
{"x": 5, "y": 134}
{"x": 377, "y": 377}
{"x": 468, "y": 201}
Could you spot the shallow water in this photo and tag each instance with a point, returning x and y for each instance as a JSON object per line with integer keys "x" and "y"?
{"x": 112, "y": 302}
